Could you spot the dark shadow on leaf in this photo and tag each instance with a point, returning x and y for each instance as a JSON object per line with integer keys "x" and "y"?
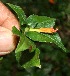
{"x": 26, "y": 56}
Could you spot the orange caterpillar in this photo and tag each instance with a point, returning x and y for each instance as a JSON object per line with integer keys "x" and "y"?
{"x": 44, "y": 30}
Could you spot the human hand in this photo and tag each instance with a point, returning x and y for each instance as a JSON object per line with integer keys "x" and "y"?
{"x": 8, "y": 40}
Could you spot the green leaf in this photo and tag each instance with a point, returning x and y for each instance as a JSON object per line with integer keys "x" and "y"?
{"x": 35, "y": 61}
{"x": 23, "y": 45}
{"x": 40, "y": 21}
{"x": 16, "y": 31}
{"x": 20, "y": 13}
{"x": 35, "y": 21}
{"x": 41, "y": 37}
{"x": 1, "y": 58}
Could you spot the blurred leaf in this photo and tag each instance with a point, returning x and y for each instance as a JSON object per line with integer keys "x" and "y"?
{"x": 1, "y": 58}
{"x": 40, "y": 21}
{"x": 41, "y": 37}
{"x": 68, "y": 10}
{"x": 20, "y": 13}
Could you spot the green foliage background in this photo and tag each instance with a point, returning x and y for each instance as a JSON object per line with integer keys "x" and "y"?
{"x": 54, "y": 61}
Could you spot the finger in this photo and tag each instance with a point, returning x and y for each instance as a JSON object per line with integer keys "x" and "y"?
{"x": 7, "y": 43}
{"x": 7, "y": 19}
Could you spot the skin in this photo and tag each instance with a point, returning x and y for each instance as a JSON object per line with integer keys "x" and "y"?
{"x": 8, "y": 40}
